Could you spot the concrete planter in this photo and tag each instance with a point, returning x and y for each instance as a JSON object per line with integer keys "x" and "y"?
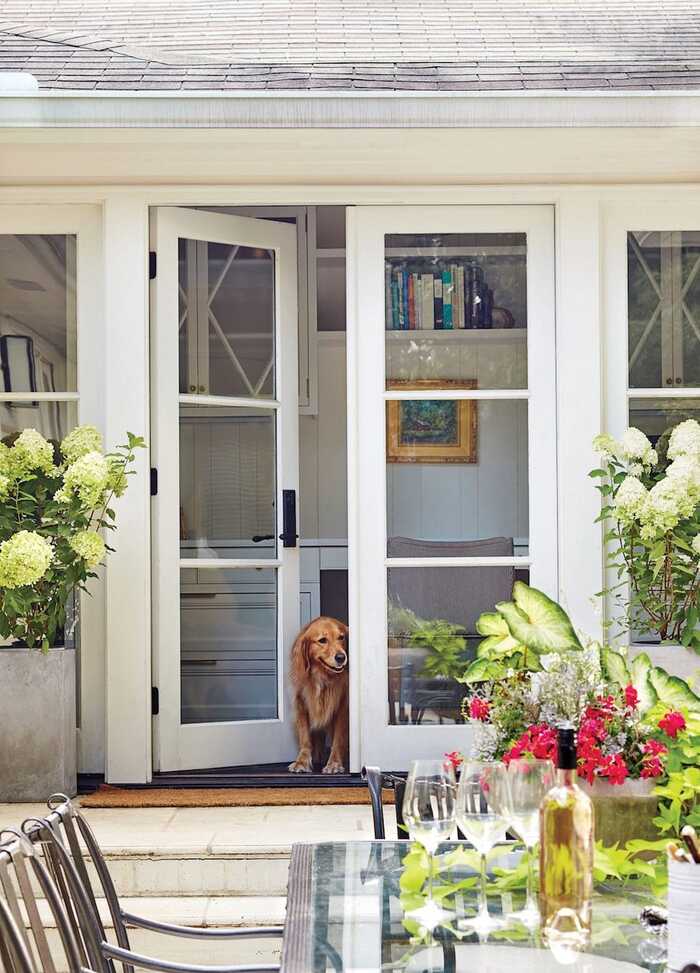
{"x": 623, "y": 811}
{"x": 677, "y": 660}
{"x": 37, "y": 722}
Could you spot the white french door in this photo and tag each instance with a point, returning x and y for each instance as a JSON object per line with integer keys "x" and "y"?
{"x": 225, "y": 446}
{"x": 452, "y": 431}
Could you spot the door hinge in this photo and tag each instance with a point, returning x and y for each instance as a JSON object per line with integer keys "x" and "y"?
{"x": 154, "y": 481}
{"x": 152, "y": 265}
{"x": 155, "y": 701}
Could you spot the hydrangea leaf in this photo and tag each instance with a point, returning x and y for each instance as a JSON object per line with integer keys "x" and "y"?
{"x": 615, "y": 666}
{"x": 639, "y": 670}
{"x": 538, "y": 622}
{"x": 674, "y": 692}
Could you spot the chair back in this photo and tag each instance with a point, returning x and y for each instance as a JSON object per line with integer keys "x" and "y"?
{"x": 23, "y": 874}
{"x": 376, "y": 783}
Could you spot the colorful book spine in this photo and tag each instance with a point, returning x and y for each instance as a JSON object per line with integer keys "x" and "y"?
{"x": 395, "y": 314}
{"x": 404, "y": 297}
{"x": 427, "y": 320}
{"x": 388, "y": 309}
{"x": 411, "y": 303}
{"x": 447, "y": 290}
{"x": 437, "y": 302}
{"x": 418, "y": 299}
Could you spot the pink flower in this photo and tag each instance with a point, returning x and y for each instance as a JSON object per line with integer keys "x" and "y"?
{"x": 615, "y": 769}
{"x": 654, "y": 747}
{"x": 652, "y": 767}
{"x": 672, "y": 723}
{"x": 631, "y": 697}
{"x": 456, "y": 759}
{"x": 479, "y": 709}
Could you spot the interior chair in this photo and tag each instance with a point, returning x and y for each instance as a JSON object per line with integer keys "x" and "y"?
{"x": 70, "y": 849}
{"x": 376, "y": 782}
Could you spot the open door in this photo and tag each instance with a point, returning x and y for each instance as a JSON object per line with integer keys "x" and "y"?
{"x": 225, "y": 442}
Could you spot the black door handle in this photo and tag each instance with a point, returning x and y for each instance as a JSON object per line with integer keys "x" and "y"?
{"x": 289, "y": 518}
{"x": 256, "y": 538}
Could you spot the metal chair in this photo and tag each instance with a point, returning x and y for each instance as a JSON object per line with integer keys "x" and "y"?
{"x": 60, "y": 835}
{"x": 13, "y": 952}
{"x": 376, "y": 782}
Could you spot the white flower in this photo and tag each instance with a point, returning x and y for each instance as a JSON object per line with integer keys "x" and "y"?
{"x": 24, "y": 559}
{"x": 29, "y": 452}
{"x": 668, "y": 502}
{"x": 686, "y": 467}
{"x": 88, "y": 545}
{"x": 630, "y": 500}
{"x": 82, "y": 440}
{"x": 695, "y": 544}
{"x": 685, "y": 440}
{"x": 87, "y": 478}
{"x": 634, "y": 445}
{"x": 605, "y": 445}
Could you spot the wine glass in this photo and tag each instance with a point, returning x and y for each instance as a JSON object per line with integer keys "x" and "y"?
{"x": 429, "y": 814}
{"x": 482, "y": 804}
{"x": 529, "y": 781}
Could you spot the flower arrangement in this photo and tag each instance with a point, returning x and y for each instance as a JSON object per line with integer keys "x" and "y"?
{"x": 629, "y": 716}
{"x": 651, "y": 506}
{"x": 55, "y": 501}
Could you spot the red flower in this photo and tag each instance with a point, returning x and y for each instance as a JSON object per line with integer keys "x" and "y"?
{"x": 672, "y": 723}
{"x": 479, "y": 709}
{"x": 652, "y": 767}
{"x": 538, "y": 741}
{"x": 456, "y": 759}
{"x": 631, "y": 697}
{"x": 615, "y": 769}
{"x": 654, "y": 747}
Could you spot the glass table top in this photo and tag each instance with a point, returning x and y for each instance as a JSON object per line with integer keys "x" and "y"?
{"x": 344, "y": 912}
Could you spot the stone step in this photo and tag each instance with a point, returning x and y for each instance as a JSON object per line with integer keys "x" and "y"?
{"x": 202, "y": 912}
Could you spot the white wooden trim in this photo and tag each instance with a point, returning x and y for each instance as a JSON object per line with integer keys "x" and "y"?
{"x": 675, "y": 392}
{"x": 187, "y": 746}
{"x": 128, "y": 611}
{"x": 508, "y": 395}
{"x": 379, "y": 743}
{"x": 40, "y": 396}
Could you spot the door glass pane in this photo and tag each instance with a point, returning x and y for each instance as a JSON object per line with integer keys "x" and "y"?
{"x": 53, "y": 420}
{"x": 656, "y": 418}
{"x": 227, "y": 482}
{"x": 228, "y": 631}
{"x": 227, "y": 322}
{"x": 663, "y": 286}
{"x": 38, "y": 313}
{"x": 456, "y": 308}
{"x": 457, "y": 478}
{"x": 432, "y": 617}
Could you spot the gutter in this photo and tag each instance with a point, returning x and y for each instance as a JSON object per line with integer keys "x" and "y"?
{"x": 352, "y": 109}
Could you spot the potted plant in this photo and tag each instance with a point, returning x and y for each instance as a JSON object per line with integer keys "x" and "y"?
{"x": 533, "y": 674}
{"x": 54, "y": 505}
{"x": 651, "y": 509}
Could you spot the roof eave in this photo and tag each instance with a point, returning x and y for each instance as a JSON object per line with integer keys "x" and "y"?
{"x": 350, "y": 109}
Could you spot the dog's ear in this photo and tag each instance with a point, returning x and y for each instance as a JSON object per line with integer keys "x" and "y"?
{"x": 300, "y": 650}
{"x": 346, "y": 633}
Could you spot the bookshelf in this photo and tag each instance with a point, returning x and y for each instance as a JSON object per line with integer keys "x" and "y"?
{"x": 466, "y": 335}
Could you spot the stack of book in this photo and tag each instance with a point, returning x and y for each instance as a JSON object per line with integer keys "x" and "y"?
{"x": 447, "y": 296}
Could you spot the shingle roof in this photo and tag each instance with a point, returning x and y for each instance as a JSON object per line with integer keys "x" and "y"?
{"x": 467, "y": 45}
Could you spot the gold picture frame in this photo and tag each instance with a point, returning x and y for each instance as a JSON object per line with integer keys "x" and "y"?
{"x": 431, "y": 430}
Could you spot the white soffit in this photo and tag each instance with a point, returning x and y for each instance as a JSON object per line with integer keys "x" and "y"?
{"x": 318, "y": 109}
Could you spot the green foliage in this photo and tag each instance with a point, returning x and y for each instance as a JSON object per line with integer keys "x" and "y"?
{"x": 36, "y": 501}
{"x": 653, "y": 684}
{"x": 446, "y": 646}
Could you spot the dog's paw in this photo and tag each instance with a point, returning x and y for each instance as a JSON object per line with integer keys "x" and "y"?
{"x": 333, "y": 767}
{"x": 302, "y": 765}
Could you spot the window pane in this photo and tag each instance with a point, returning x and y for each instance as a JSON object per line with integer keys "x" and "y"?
{"x": 656, "y": 417}
{"x": 227, "y": 333}
{"x": 457, "y": 478}
{"x": 456, "y": 308}
{"x": 38, "y": 313}
{"x": 227, "y": 482}
{"x": 663, "y": 308}
{"x": 53, "y": 420}
{"x": 228, "y": 637}
{"x": 432, "y": 617}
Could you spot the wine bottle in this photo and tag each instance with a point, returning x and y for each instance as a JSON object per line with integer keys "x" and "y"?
{"x": 566, "y": 854}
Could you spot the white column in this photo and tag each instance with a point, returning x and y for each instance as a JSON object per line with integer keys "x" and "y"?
{"x": 128, "y": 575}
{"x": 580, "y": 406}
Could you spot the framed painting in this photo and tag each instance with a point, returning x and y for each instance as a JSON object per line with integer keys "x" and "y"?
{"x": 431, "y": 430}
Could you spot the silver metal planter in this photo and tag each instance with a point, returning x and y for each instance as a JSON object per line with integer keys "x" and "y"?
{"x": 37, "y": 723}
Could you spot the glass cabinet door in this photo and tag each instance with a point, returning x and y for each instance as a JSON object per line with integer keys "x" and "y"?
{"x": 454, "y": 306}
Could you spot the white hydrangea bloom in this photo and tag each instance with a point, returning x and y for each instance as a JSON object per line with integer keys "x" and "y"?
{"x": 686, "y": 467}
{"x": 630, "y": 500}
{"x": 668, "y": 502}
{"x": 88, "y": 545}
{"x": 634, "y": 445}
{"x": 87, "y": 479}
{"x": 605, "y": 446}
{"x": 82, "y": 440}
{"x": 24, "y": 559}
{"x": 30, "y": 452}
{"x": 696, "y": 544}
{"x": 685, "y": 440}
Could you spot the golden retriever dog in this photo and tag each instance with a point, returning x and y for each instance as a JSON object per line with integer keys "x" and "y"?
{"x": 320, "y": 681}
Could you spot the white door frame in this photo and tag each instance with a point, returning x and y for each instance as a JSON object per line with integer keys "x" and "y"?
{"x": 377, "y": 742}
{"x": 179, "y": 746}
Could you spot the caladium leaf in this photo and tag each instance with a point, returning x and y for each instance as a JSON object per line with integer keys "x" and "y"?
{"x": 491, "y": 623}
{"x": 482, "y": 670}
{"x": 615, "y": 666}
{"x": 538, "y": 622}
{"x": 639, "y": 670}
{"x": 673, "y": 692}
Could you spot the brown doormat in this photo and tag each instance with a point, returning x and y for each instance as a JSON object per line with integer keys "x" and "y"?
{"x": 108, "y": 796}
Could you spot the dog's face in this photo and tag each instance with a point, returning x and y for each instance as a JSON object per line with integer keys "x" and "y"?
{"x": 327, "y": 645}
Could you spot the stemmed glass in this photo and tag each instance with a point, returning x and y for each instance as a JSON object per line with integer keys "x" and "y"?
{"x": 482, "y": 804}
{"x": 529, "y": 781}
{"x": 429, "y": 813}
